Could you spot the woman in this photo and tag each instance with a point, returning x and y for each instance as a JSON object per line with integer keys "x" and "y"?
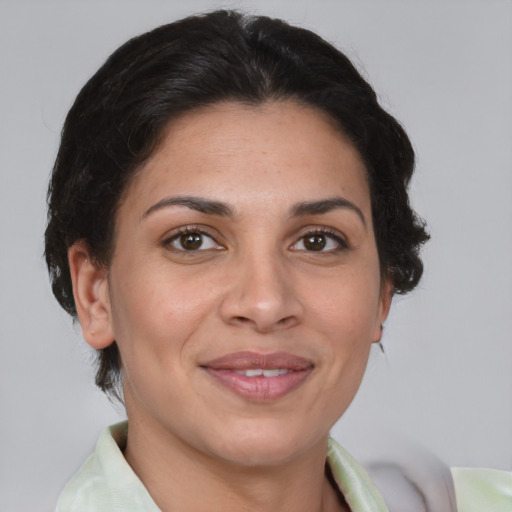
{"x": 229, "y": 220}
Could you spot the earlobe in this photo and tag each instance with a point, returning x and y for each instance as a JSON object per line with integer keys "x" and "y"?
{"x": 91, "y": 294}
{"x": 386, "y": 296}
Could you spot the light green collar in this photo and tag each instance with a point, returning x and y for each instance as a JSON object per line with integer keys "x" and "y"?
{"x": 359, "y": 491}
{"x": 479, "y": 490}
{"x": 106, "y": 482}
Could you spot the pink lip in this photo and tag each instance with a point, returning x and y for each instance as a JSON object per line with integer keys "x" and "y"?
{"x": 259, "y": 389}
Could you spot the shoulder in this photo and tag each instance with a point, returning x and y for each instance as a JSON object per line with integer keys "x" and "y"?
{"x": 481, "y": 489}
{"x": 106, "y": 482}
{"x": 424, "y": 483}
{"x": 82, "y": 491}
{"x": 411, "y": 480}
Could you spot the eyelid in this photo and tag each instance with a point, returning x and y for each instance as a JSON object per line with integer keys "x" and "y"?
{"x": 328, "y": 232}
{"x": 190, "y": 229}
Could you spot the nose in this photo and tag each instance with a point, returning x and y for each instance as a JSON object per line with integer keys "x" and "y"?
{"x": 262, "y": 295}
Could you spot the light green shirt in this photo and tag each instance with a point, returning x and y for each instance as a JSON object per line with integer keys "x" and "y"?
{"x": 106, "y": 483}
{"x": 483, "y": 490}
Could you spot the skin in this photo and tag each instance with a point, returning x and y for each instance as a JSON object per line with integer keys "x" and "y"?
{"x": 254, "y": 285}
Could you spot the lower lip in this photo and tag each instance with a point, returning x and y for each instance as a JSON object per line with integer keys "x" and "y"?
{"x": 260, "y": 389}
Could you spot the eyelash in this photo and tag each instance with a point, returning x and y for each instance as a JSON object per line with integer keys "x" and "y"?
{"x": 187, "y": 230}
{"x": 327, "y": 233}
{"x": 193, "y": 230}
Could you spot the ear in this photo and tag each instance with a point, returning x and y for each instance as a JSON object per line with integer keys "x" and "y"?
{"x": 386, "y": 294}
{"x": 91, "y": 294}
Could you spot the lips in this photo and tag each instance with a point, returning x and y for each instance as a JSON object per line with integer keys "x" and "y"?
{"x": 259, "y": 377}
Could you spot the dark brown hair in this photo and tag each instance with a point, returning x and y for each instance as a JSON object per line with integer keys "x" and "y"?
{"x": 119, "y": 117}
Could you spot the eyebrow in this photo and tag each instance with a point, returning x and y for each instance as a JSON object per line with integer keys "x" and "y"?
{"x": 194, "y": 203}
{"x": 325, "y": 206}
{"x": 211, "y": 207}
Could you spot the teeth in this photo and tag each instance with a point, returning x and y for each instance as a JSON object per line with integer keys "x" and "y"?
{"x": 258, "y": 372}
{"x": 252, "y": 373}
{"x": 274, "y": 373}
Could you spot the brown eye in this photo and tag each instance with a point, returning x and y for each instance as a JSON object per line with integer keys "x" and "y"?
{"x": 192, "y": 241}
{"x": 315, "y": 242}
{"x": 320, "y": 241}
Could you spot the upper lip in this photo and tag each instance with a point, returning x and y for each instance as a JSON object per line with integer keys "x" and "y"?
{"x": 253, "y": 360}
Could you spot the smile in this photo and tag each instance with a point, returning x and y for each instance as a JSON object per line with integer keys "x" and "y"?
{"x": 259, "y": 377}
{"x": 258, "y": 372}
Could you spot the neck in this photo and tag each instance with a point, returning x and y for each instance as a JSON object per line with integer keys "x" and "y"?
{"x": 180, "y": 477}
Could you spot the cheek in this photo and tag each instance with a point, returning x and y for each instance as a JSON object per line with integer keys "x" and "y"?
{"x": 154, "y": 316}
{"x": 345, "y": 311}
{"x": 347, "y": 306}
{"x": 155, "y": 332}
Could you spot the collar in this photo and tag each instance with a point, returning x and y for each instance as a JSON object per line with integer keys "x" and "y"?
{"x": 480, "y": 489}
{"x": 106, "y": 482}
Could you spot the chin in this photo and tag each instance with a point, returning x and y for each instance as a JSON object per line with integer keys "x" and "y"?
{"x": 268, "y": 443}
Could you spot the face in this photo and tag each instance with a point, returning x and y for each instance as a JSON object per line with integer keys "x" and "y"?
{"x": 244, "y": 290}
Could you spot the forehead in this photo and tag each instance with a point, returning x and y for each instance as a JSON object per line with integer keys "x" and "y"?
{"x": 276, "y": 152}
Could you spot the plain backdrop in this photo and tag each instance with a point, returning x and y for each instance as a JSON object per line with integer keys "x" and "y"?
{"x": 443, "y": 68}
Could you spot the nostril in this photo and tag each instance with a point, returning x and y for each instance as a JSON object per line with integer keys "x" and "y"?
{"x": 286, "y": 321}
{"x": 261, "y": 326}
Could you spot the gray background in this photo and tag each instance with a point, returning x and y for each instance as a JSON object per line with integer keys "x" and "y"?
{"x": 443, "y": 68}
